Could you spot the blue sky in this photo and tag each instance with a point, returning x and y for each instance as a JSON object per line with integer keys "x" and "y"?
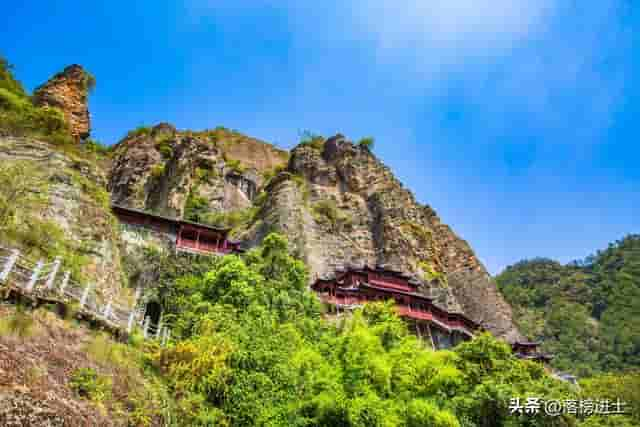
{"x": 515, "y": 119}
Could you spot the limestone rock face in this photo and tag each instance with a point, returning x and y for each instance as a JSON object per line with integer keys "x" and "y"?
{"x": 340, "y": 206}
{"x": 162, "y": 170}
{"x": 254, "y": 154}
{"x": 77, "y": 203}
{"x": 68, "y": 91}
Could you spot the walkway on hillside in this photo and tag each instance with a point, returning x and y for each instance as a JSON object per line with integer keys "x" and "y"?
{"x": 48, "y": 282}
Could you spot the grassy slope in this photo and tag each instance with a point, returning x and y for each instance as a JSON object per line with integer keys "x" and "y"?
{"x": 42, "y": 357}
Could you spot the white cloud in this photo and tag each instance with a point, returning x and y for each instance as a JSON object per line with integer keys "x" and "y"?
{"x": 559, "y": 67}
{"x": 558, "y": 64}
{"x": 480, "y": 25}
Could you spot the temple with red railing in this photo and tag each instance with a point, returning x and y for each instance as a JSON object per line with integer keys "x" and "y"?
{"x": 353, "y": 287}
{"x": 186, "y": 236}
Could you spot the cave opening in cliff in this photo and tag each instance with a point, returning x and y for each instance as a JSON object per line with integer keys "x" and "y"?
{"x": 153, "y": 311}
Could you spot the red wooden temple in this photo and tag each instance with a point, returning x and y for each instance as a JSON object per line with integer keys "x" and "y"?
{"x": 186, "y": 235}
{"x": 354, "y": 287}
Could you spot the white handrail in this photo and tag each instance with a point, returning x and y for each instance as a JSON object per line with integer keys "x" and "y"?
{"x": 42, "y": 278}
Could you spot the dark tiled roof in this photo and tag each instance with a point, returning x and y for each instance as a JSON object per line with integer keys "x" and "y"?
{"x": 395, "y": 291}
{"x": 115, "y": 207}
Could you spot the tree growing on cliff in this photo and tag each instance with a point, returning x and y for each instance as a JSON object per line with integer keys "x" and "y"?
{"x": 7, "y": 81}
{"x": 23, "y": 187}
{"x": 367, "y": 142}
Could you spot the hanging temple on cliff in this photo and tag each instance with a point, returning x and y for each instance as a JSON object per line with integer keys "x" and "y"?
{"x": 340, "y": 284}
{"x": 342, "y": 292}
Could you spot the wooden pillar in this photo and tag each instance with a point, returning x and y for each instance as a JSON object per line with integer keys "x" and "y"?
{"x": 198, "y": 239}
{"x": 433, "y": 345}
{"x": 179, "y": 238}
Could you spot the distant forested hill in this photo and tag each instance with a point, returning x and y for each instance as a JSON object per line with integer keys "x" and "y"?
{"x": 587, "y": 312}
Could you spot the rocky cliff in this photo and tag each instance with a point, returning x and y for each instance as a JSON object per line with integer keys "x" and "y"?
{"x": 340, "y": 206}
{"x": 178, "y": 173}
{"x": 68, "y": 91}
{"x": 335, "y": 201}
{"x": 74, "y": 220}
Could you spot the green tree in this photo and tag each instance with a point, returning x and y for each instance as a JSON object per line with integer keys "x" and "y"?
{"x": 23, "y": 188}
{"x": 586, "y": 313}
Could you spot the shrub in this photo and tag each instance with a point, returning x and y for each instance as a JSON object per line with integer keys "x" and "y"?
{"x": 422, "y": 233}
{"x": 205, "y": 173}
{"x": 19, "y": 116}
{"x": 429, "y": 273}
{"x": 13, "y": 101}
{"x": 157, "y": 170}
{"x": 34, "y": 375}
{"x": 424, "y": 413}
{"x": 95, "y": 191}
{"x": 46, "y": 239}
{"x": 326, "y": 211}
{"x": 251, "y": 349}
{"x": 367, "y": 142}
{"x": 234, "y": 219}
{"x": 93, "y": 146}
{"x": 19, "y": 324}
{"x": 102, "y": 349}
{"x": 312, "y": 140}
{"x": 235, "y": 166}
{"x": 7, "y": 81}
{"x": 87, "y": 383}
{"x": 196, "y": 206}
{"x": 166, "y": 151}
{"x": 22, "y": 185}
{"x": 301, "y": 182}
{"x": 139, "y": 131}
{"x": 260, "y": 199}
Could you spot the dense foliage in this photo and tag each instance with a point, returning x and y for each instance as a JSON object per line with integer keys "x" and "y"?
{"x": 252, "y": 348}
{"x": 586, "y": 313}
